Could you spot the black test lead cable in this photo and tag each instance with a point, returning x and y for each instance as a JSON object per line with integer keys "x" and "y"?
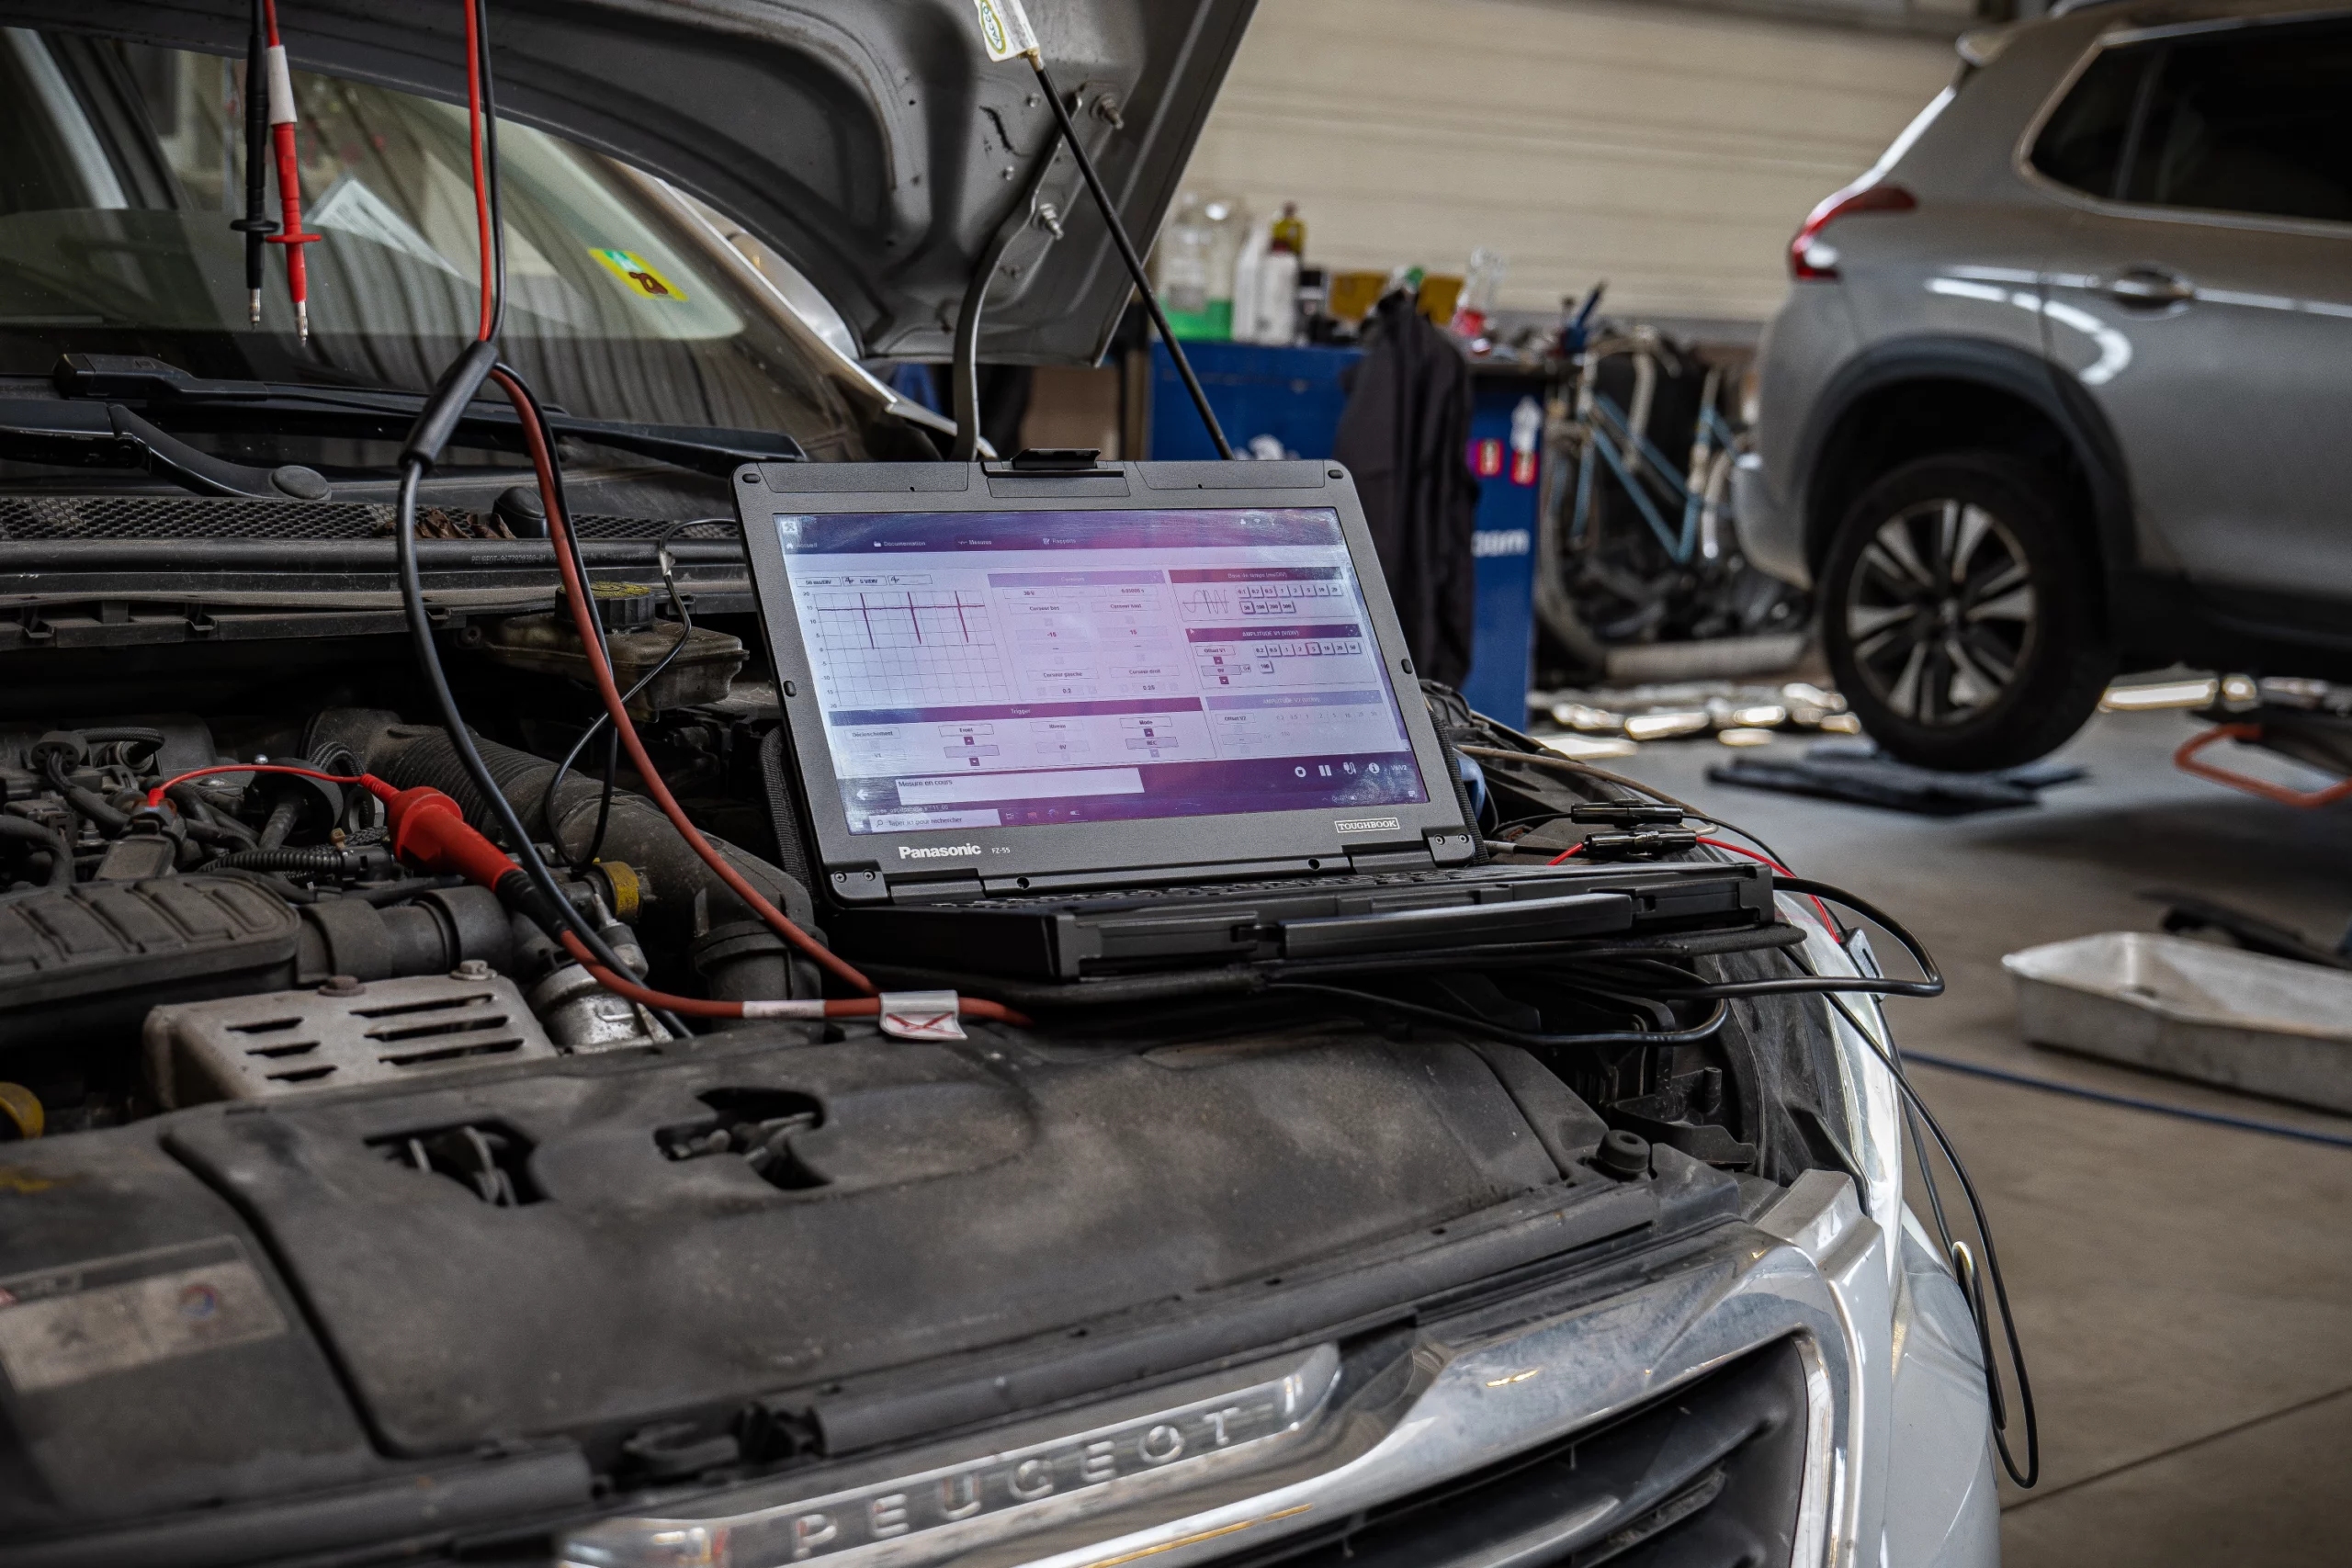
{"x": 435, "y": 425}
{"x": 1006, "y": 32}
{"x": 257, "y": 222}
{"x": 1971, "y": 1289}
{"x": 602, "y": 725}
{"x": 1914, "y": 1113}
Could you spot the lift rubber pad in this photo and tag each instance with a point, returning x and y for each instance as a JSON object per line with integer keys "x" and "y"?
{"x": 1839, "y": 771}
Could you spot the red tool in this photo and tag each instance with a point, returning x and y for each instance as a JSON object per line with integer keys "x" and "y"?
{"x": 2187, "y": 761}
{"x": 282, "y": 119}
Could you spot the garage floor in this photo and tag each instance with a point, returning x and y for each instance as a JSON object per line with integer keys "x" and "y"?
{"x": 2185, "y": 1291}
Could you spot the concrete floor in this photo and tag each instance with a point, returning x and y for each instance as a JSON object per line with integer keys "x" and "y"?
{"x": 2184, "y": 1291}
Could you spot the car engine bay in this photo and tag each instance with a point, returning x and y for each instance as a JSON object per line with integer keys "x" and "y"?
{"x": 274, "y": 891}
{"x": 256, "y": 939}
{"x": 240, "y": 1023}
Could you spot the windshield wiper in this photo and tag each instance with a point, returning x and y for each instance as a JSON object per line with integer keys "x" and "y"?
{"x": 384, "y": 413}
{"x": 108, "y": 436}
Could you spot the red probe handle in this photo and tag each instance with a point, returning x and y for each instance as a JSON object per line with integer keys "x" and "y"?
{"x": 430, "y": 831}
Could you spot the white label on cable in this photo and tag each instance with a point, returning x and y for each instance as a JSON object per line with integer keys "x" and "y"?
{"x": 1004, "y": 29}
{"x": 281, "y": 87}
{"x": 810, "y": 1008}
{"x": 920, "y": 1015}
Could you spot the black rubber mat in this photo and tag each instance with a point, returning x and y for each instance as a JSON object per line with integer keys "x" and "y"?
{"x": 1855, "y": 771}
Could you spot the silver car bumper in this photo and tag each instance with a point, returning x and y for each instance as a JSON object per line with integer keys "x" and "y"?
{"x": 1197, "y": 1474}
{"x": 1771, "y": 535}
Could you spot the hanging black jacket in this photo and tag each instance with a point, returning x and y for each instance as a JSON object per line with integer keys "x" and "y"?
{"x": 1405, "y": 436}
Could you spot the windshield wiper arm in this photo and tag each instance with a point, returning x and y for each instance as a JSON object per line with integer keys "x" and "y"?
{"x": 386, "y": 413}
{"x": 108, "y": 436}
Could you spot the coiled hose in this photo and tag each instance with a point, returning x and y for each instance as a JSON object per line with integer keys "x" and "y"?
{"x": 322, "y": 859}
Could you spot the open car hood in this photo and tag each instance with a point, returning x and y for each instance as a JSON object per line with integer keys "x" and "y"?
{"x": 872, "y": 143}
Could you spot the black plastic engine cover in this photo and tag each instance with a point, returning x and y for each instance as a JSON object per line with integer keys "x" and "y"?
{"x": 97, "y": 956}
{"x": 150, "y": 1358}
{"x": 542, "y": 1262}
{"x": 945, "y": 1201}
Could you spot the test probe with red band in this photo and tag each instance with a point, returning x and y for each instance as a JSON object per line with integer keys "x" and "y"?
{"x": 429, "y": 831}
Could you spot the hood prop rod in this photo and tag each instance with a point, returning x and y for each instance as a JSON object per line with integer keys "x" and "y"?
{"x": 1128, "y": 254}
{"x": 1005, "y": 32}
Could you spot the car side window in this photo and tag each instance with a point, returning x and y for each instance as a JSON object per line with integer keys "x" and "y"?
{"x": 2084, "y": 144}
{"x": 2257, "y": 120}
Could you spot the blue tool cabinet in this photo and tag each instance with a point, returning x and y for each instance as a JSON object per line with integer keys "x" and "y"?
{"x": 1295, "y": 395}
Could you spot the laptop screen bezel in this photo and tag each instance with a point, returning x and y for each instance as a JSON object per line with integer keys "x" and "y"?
{"x": 1070, "y": 852}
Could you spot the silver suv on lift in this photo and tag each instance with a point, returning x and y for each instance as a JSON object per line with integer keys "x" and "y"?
{"x": 2061, "y": 389}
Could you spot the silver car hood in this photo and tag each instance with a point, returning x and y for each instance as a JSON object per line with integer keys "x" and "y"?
{"x": 872, "y": 143}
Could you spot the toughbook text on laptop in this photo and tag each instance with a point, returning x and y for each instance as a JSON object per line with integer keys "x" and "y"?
{"x": 1078, "y": 719}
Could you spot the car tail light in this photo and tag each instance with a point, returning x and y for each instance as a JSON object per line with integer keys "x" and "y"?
{"x": 1811, "y": 257}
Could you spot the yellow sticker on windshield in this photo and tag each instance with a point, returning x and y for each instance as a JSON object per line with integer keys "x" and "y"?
{"x": 641, "y": 276}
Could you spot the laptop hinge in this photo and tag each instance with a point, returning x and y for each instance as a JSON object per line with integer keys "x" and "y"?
{"x": 1053, "y": 463}
{"x": 860, "y": 883}
{"x": 1458, "y": 847}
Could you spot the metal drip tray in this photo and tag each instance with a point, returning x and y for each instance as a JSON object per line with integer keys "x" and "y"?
{"x": 2262, "y": 1025}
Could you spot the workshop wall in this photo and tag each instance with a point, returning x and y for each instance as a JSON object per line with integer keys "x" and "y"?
{"x": 1671, "y": 151}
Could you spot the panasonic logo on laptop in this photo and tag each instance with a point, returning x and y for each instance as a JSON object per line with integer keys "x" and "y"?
{"x": 1366, "y": 825}
{"x": 942, "y": 852}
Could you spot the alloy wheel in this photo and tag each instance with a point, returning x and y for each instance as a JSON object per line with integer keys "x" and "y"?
{"x": 1940, "y": 612}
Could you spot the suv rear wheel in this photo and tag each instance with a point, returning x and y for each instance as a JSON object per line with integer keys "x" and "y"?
{"x": 1958, "y": 613}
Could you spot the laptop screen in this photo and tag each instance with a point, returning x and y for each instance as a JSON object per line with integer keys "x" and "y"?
{"x": 1013, "y": 669}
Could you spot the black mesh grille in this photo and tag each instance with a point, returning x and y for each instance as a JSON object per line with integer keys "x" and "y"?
{"x": 190, "y": 517}
{"x": 202, "y": 518}
{"x": 1707, "y": 1476}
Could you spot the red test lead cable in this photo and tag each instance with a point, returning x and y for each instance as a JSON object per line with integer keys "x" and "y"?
{"x": 429, "y": 830}
{"x": 695, "y": 1007}
{"x": 282, "y": 119}
{"x": 584, "y": 617}
{"x": 484, "y": 228}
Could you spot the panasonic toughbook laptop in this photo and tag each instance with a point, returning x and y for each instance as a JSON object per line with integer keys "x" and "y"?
{"x": 1058, "y": 718}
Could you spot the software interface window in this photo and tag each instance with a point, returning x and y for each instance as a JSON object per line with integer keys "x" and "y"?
{"x": 1013, "y": 669}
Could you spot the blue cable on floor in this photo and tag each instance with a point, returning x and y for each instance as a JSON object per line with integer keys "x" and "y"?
{"x": 2023, "y": 1080}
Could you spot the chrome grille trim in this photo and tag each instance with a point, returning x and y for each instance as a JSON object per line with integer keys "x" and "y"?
{"x": 1813, "y": 1268}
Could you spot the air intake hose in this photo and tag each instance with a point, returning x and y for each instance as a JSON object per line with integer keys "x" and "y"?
{"x": 683, "y": 902}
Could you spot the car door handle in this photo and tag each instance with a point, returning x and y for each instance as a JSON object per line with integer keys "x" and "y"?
{"x": 2148, "y": 287}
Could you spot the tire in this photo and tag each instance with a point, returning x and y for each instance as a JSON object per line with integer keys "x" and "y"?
{"x": 1959, "y": 613}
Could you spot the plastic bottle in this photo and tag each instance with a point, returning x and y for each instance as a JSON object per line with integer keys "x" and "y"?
{"x": 1481, "y": 293}
{"x": 1289, "y": 232}
{"x": 1277, "y": 313}
{"x": 1314, "y": 304}
{"x": 1228, "y": 225}
{"x": 1183, "y": 252}
{"x": 1249, "y": 265}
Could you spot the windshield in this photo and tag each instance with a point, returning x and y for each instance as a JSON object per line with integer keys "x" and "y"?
{"x": 122, "y": 166}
